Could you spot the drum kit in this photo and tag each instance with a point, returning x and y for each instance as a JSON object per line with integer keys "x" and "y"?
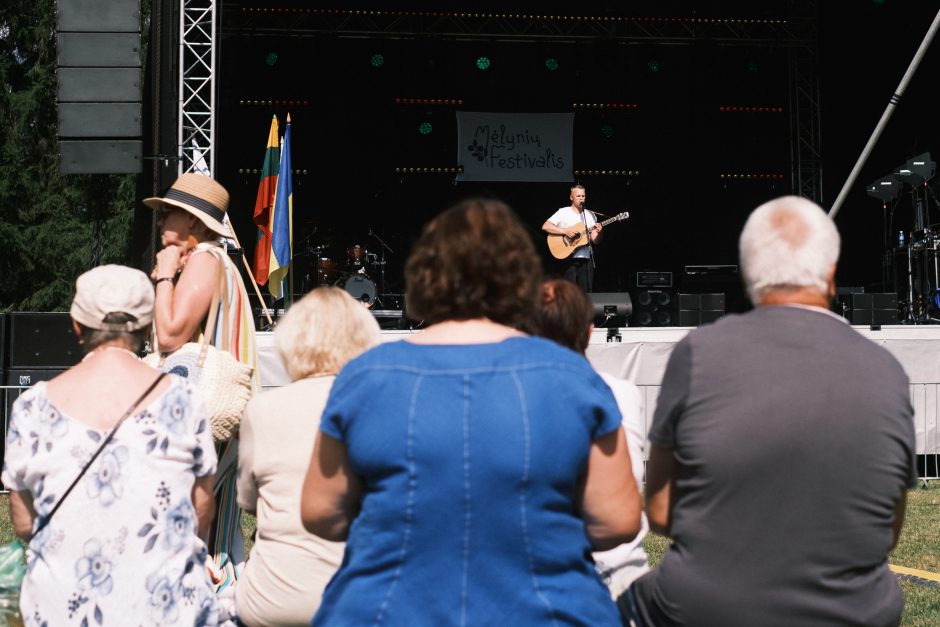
{"x": 355, "y": 275}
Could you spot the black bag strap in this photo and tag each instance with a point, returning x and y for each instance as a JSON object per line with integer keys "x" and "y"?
{"x": 107, "y": 440}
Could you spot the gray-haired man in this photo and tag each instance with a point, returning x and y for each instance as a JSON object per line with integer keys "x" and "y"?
{"x": 782, "y": 446}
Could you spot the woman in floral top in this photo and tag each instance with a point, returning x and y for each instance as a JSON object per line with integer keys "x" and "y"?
{"x": 123, "y": 549}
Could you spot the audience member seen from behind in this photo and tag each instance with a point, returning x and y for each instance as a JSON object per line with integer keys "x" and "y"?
{"x": 188, "y": 268}
{"x": 288, "y": 566}
{"x": 782, "y": 446}
{"x": 472, "y": 467}
{"x": 566, "y": 315}
{"x": 123, "y": 548}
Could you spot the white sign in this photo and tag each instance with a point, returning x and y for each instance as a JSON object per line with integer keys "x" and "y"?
{"x": 534, "y": 147}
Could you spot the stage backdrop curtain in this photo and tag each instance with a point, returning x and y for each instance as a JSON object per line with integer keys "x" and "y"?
{"x": 531, "y": 147}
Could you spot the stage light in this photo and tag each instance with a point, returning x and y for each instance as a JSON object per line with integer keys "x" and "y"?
{"x": 551, "y": 63}
{"x": 607, "y": 131}
{"x": 483, "y": 63}
{"x": 271, "y": 58}
{"x": 653, "y": 65}
{"x": 378, "y": 60}
{"x": 425, "y": 128}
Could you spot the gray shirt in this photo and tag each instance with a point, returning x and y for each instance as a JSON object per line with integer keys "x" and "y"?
{"x": 794, "y": 437}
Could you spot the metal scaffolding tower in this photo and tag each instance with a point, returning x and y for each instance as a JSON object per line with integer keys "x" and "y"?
{"x": 196, "y": 138}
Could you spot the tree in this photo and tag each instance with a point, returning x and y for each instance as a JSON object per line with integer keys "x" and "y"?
{"x": 47, "y": 220}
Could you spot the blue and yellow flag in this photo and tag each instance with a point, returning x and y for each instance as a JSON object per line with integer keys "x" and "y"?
{"x": 282, "y": 221}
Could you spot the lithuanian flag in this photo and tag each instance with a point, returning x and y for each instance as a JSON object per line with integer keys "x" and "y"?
{"x": 282, "y": 220}
{"x": 264, "y": 203}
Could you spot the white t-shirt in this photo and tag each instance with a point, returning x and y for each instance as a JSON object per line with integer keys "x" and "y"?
{"x": 567, "y": 217}
{"x": 619, "y": 566}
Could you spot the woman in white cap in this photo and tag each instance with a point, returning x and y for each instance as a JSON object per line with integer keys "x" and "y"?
{"x": 122, "y": 547}
{"x": 191, "y": 217}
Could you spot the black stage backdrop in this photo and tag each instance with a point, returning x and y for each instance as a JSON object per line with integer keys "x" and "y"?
{"x": 356, "y": 133}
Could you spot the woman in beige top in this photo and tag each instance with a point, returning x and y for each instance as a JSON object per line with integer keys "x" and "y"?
{"x": 288, "y": 566}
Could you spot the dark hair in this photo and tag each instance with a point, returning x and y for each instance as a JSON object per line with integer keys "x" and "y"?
{"x": 473, "y": 260}
{"x": 93, "y": 338}
{"x": 564, "y": 314}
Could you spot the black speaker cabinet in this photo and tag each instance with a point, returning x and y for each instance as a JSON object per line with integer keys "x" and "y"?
{"x": 4, "y": 342}
{"x": 699, "y": 309}
{"x": 868, "y": 309}
{"x": 611, "y": 309}
{"x": 654, "y": 308}
{"x": 42, "y": 340}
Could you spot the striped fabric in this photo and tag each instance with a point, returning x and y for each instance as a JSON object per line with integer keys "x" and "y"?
{"x": 235, "y": 332}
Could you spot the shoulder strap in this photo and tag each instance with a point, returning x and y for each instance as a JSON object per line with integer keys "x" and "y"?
{"x": 45, "y": 521}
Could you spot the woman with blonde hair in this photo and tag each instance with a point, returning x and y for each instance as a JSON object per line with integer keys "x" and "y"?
{"x": 289, "y": 567}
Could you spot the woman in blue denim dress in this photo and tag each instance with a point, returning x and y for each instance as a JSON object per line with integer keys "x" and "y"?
{"x": 470, "y": 468}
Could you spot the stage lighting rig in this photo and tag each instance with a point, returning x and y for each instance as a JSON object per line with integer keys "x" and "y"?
{"x": 885, "y": 189}
{"x": 917, "y": 170}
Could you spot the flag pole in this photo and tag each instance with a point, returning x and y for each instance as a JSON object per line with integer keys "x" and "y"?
{"x": 251, "y": 275}
{"x": 290, "y": 231}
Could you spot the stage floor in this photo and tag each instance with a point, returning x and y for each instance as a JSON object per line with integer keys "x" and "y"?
{"x": 640, "y": 354}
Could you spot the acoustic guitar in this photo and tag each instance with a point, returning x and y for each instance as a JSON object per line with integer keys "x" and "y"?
{"x": 561, "y": 246}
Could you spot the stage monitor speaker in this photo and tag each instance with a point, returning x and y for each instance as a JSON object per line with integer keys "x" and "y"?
{"x": 711, "y": 279}
{"x": 654, "y": 308}
{"x": 42, "y": 341}
{"x": 699, "y": 309}
{"x": 869, "y": 309}
{"x": 611, "y": 309}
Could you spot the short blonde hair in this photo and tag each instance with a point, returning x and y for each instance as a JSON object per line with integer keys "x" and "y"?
{"x": 324, "y": 330}
{"x": 788, "y": 242}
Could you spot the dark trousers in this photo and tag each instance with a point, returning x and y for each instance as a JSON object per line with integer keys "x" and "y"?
{"x": 581, "y": 272}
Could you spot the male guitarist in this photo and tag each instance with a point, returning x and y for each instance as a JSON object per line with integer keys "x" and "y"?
{"x": 574, "y": 221}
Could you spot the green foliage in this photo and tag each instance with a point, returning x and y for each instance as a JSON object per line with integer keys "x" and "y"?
{"x": 47, "y": 220}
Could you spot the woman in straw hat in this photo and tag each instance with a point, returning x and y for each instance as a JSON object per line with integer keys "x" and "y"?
{"x": 191, "y": 216}
{"x": 123, "y": 548}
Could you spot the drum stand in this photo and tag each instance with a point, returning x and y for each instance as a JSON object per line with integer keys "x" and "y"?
{"x": 381, "y": 263}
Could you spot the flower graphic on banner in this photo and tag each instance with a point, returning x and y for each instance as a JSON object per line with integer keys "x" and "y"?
{"x": 477, "y": 150}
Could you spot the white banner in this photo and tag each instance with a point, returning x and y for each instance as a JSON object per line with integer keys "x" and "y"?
{"x": 515, "y": 146}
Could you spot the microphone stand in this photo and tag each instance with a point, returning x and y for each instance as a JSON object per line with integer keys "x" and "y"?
{"x": 587, "y": 234}
{"x": 382, "y": 262}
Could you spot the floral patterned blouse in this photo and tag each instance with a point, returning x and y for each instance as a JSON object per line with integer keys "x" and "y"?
{"x": 122, "y": 549}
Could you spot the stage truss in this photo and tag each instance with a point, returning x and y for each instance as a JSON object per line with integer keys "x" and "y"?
{"x": 200, "y": 29}
{"x": 197, "y": 86}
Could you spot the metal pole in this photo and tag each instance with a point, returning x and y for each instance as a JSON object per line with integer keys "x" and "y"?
{"x": 895, "y": 98}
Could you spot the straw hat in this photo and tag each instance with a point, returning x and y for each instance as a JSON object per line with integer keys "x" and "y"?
{"x": 113, "y": 289}
{"x": 201, "y": 196}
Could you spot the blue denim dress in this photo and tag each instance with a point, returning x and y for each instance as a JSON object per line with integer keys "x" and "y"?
{"x": 470, "y": 458}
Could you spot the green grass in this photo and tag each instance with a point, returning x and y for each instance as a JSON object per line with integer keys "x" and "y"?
{"x": 919, "y": 547}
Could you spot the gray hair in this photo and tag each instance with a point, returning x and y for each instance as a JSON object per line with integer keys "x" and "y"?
{"x": 788, "y": 242}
